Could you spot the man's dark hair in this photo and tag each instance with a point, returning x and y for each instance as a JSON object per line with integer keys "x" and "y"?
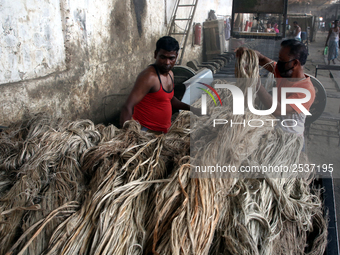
{"x": 295, "y": 22}
{"x": 297, "y": 49}
{"x": 167, "y": 43}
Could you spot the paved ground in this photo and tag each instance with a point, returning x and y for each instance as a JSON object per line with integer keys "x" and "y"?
{"x": 322, "y": 144}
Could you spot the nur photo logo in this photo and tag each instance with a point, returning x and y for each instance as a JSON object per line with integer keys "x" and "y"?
{"x": 204, "y": 97}
{"x": 239, "y": 99}
{"x": 238, "y": 107}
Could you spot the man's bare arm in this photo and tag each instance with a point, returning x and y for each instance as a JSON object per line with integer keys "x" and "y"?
{"x": 265, "y": 61}
{"x": 143, "y": 85}
{"x": 183, "y": 106}
{"x": 179, "y": 105}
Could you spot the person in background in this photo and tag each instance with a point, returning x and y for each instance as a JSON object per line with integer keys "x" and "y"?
{"x": 332, "y": 42}
{"x": 227, "y": 28}
{"x": 276, "y": 29}
{"x": 297, "y": 31}
{"x": 269, "y": 27}
{"x": 152, "y": 98}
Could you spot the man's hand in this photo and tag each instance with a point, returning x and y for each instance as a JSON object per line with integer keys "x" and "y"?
{"x": 239, "y": 51}
{"x": 196, "y": 111}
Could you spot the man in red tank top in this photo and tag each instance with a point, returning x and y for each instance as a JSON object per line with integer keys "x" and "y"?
{"x": 152, "y": 98}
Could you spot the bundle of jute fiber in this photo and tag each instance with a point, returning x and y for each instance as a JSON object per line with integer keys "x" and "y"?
{"x": 178, "y": 231}
{"x": 20, "y": 141}
{"x": 236, "y": 146}
{"x": 45, "y": 180}
{"x": 187, "y": 211}
{"x": 260, "y": 209}
{"x": 185, "y": 233}
{"x": 227, "y": 144}
{"x": 140, "y": 197}
{"x": 247, "y": 72}
{"x": 192, "y": 218}
{"x": 110, "y": 220}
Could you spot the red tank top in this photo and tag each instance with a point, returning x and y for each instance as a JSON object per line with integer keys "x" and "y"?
{"x": 154, "y": 110}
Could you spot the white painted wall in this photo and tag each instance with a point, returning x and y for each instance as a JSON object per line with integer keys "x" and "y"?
{"x": 31, "y": 39}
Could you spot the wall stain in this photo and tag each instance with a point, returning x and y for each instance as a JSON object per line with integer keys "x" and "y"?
{"x": 119, "y": 22}
{"x": 139, "y": 11}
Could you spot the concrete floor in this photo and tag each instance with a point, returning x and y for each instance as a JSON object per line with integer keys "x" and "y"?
{"x": 322, "y": 144}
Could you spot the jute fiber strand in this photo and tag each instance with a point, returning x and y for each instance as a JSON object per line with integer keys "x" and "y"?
{"x": 268, "y": 215}
{"x": 187, "y": 212}
{"x": 260, "y": 209}
{"x": 115, "y": 215}
{"x": 76, "y": 188}
{"x": 47, "y": 175}
{"x": 128, "y": 164}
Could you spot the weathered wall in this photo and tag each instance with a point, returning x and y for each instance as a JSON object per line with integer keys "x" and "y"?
{"x": 32, "y": 42}
{"x": 75, "y": 59}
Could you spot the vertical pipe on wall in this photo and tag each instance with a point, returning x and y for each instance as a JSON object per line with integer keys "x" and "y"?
{"x": 165, "y": 13}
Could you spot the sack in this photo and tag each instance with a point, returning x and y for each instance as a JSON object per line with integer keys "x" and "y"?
{"x": 325, "y": 52}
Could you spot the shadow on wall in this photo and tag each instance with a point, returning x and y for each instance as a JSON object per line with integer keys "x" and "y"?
{"x": 112, "y": 107}
{"x": 139, "y": 10}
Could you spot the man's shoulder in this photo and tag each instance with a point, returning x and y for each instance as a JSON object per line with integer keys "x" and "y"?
{"x": 306, "y": 84}
{"x": 309, "y": 83}
{"x": 147, "y": 79}
{"x": 149, "y": 70}
{"x": 149, "y": 73}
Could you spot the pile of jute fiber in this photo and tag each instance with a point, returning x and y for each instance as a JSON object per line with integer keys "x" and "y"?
{"x": 79, "y": 188}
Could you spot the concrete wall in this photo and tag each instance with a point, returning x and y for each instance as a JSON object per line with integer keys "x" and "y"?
{"x": 77, "y": 59}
